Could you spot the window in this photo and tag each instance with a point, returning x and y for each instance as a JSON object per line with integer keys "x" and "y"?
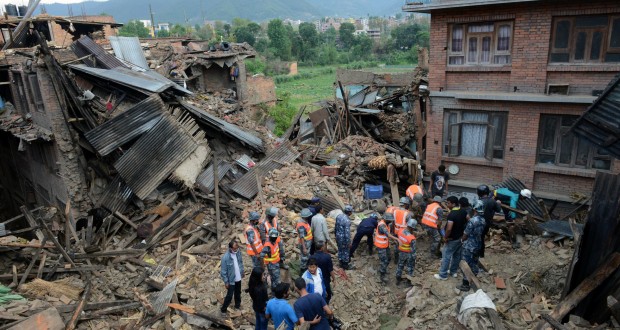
{"x": 36, "y": 92}
{"x": 585, "y": 39}
{"x": 480, "y": 43}
{"x": 474, "y": 134}
{"x": 558, "y": 146}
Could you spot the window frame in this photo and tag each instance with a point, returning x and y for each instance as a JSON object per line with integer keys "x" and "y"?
{"x": 571, "y": 49}
{"x": 455, "y": 150}
{"x": 494, "y": 40}
{"x": 611, "y": 49}
{"x": 562, "y": 132}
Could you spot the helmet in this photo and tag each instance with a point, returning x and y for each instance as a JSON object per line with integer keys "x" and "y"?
{"x": 374, "y": 215}
{"x": 315, "y": 200}
{"x": 405, "y": 200}
{"x": 273, "y": 232}
{"x": 272, "y": 211}
{"x": 526, "y": 193}
{"x": 437, "y": 199}
{"x": 412, "y": 223}
{"x": 479, "y": 207}
{"x": 418, "y": 198}
{"x": 388, "y": 216}
{"x": 254, "y": 216}
{"x": 305, "y": 213}
{"x": 483, "y": 190}
{"x": 348, "y": 209}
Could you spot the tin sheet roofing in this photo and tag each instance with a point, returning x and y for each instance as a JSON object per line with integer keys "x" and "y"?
{"x": 127, "y": 125}
{"x": 528, "y": 204}
{"x": 116, "y": 196}
{"x": 600, "y": 124}
{"x": 126, "y": 77}
{"x": 155, "y": 155}
{"x": 247, "y": 186}
{"x": 205, "y": 181}
{"x": 129, "y": 49}
{"x": 86, "y": 46}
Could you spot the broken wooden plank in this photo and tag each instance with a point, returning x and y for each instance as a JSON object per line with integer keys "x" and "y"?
{"x": 576, "y": 232}
{"x": 334, "y": 193}
{"x": 555, "y": 324}
{"x": 583, "y": 289}
{"x": 93, "y": 306}
{"x": 54, "y": 269}
{"x": 227, "y": 323}
{"x": 80, "y": 306}
{"x": 111, "y": 310}
{"x": 108, "y": 254}
{"x": 28, "y": 245}
{"x": 493, "y": 316}
{"x": 125, "y": 220}
{"x": 614, "y": 307}
{"x": 47, "y": 319}
{"x": 32, "y": 262}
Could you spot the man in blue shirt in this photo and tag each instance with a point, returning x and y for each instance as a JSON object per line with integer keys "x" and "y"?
{"x": 279, "y": 310}
{"x": 311, "y": 307}
{"x": 365, "y": 228}
{"x": 324, "y": 261}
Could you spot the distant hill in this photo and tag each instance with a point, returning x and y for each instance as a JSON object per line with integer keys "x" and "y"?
{"x": 192, "y": 11}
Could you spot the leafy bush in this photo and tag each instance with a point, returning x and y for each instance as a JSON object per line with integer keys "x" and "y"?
{"x": 255, "y": 66}
{"x": 282, "y": 113}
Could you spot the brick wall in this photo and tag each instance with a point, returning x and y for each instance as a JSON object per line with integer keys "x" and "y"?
{"x": 567, "y": 184}
{"x": 473, "y": 81}
{"x": 475, "y": 172}
{"x": 530, "y": 48}
{"x": 581, "y": 82}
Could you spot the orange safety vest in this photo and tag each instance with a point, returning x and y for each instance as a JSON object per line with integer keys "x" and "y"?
{"x": 391, "y": 209}
{"x": 430, "y": 215}
{"x": 274, "y": 257}
{"x": 413, "y": 190}
{"x": 306, "y": 226}
{"x": 404, "y": 241}
{"x": 257, "y": 243}
{"x": 400, "y": 215}
{"x": 381, "y": 240}
{"x": 269, "y": 226}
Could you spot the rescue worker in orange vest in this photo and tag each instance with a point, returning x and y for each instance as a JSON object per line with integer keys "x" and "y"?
{"x": 382, "y": 236}
{"x": 413, "y": 190}
{"x": 406, "y": 249}
{"x": 254, "y": 245}
{"x": 401, "y": 217}
{"x": 271, "y": 257}
{"x": 271, "y": 221}
{"x": 305, "y": 238}
{"x": 430, "y": 222}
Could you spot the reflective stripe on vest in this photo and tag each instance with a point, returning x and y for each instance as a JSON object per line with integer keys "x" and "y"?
{"x": 274, "y": 257}
{"x": 381, "y": 240}
{"x": 430, "y": 215}
{"x": 268, "y": 226}
{"x": 404, "y": 241}
{"x": 307, "y": 228}
{"x": 258, "y": 244}
{"x": 400, "y": 216}
{"x": 412, "y": 190}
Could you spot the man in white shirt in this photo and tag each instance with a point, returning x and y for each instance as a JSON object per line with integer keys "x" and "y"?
{"x": 320, "y": 232}
{"x": 231, "y": 273}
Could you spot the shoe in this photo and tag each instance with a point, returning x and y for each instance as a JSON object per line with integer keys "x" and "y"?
{"x": 283, "y": 265}
{"x": 223, "y": 314}
{"x": 463, "y": 288}
{"x": 383, "y": 279}
{"x": 455, "y": 275}
{"x": 437, "y": 276}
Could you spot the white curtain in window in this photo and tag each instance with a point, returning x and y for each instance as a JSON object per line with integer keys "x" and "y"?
{"x": 474, "y": 135}
{"x": 503, "y": 38}
{"x": 457, "y": 38}
{"x": 472, "y": 53}
{"x": 485, "y": 54}
{"x": 477, "y": 28}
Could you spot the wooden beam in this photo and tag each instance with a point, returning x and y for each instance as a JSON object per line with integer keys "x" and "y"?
{"x": 125, "y": 220}
{"x": 216, "y": 184}
{"x": 555, "y": 324}
{"x": 226, "y": 323}
{"x": 614, "y": 307}
{"x": 32, "y": 262}
{"x": 79, "y": 307}
{"x": 493, "y": 316}
{"x": 583, "y": 289}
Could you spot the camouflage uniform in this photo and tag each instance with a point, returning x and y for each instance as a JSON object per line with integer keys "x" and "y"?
{"x": 262, "y": 230}
{"x": 384, "y": 260}
{"x": 343, "y": 238}
{"x": 273, "y": 269}
{"x": 303, "y": 257}
{"x": 408, "y": 259}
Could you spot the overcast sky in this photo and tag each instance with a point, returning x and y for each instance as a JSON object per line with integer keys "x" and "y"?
{"x": 25, "y": 2}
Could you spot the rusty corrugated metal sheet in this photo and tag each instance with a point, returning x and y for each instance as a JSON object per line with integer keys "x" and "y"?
{"x": 156, "y": 154}
{"x": 127, "y": 125}
{"x": 141, "y": 81}
{"x": 600, "y": 124}
{"x": 129, "y": 49}
{"x": 247, "y": 187}
{"x": 116, "y": 196}
{"x": 528, "y": 204}
{"x": 86, "y": 46}
{"x": 205, "y": 181}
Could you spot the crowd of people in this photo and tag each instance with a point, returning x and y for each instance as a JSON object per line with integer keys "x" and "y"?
{"x": 462, "y": 235}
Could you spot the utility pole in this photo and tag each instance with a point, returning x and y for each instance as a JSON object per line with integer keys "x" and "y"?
{"x": 152, "y": 21}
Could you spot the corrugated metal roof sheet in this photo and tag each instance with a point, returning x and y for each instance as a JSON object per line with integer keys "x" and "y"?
{"x": 116, "y": 196}
{"x": 129, "y": 49}
{"x": 127, "y": 125}
{"x": 156, "y": 154}
{"x": 528, "y": 204}
{"x": 140, "y": 81}
{"x": 600, "y": 124}
{"x": 220, "y": 125}
{"x": 247, "y": 187}
{"x": 86, "y": 46}
{"x": 205, "y": 181}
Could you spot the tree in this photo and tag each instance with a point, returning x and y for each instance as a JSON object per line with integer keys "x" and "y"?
{"x": 244, "y": 34}
{"x": 204, "y": 32}
{"x": 134, "y": 28}
{"x": 346, "y": 35}
{"x": 227, "y": 28}
{"x": 163, "y": 33}
{"x": 279, "y": 39}
{"x": 308, "y": 34}
{"x": 178, "y": 30}
{"x": 254, "y": 28}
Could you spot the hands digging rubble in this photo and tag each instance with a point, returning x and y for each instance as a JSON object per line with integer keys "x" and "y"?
{"x": 171, "y": 178}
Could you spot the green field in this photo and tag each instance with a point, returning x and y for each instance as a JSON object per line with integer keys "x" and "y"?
{"x": 316, "y": 83}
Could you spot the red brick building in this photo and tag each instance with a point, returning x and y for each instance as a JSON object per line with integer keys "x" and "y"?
{"x": 507, "y": 79}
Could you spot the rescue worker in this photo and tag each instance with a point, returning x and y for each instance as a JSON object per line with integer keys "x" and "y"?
{"x": 407, "y": 250}
{"x": 314, "y": 203}
{"x": 271, "y": 221}
{"x": 430, "y": 222}
{"x": 305, "y": 238}
{"x": 511, "y": 198}
{"x": 491, "y": 206}
{"x": 382, "y": 236}
{"x": 365, "y": 228}
{"x": 343, "y": 237}
{"x": 401, "y": 217}
{"x": 254, "y": 244}
{"x": 418, "y": 206}
{"x": 271, "y": 257}
{"x": 473, "y": 242}
{"x": 413, "y": 190}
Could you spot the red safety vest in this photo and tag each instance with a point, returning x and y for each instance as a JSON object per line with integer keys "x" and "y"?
{"x": 430, "y": 215}
{"x": 413, "y": 190}
{"x": 274, "y": 256}
{"x": 306, "y": 226}
{"x": 257, "y": 243}
{"x": 404, "y": 241}
{"x": 381, "y": 240}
